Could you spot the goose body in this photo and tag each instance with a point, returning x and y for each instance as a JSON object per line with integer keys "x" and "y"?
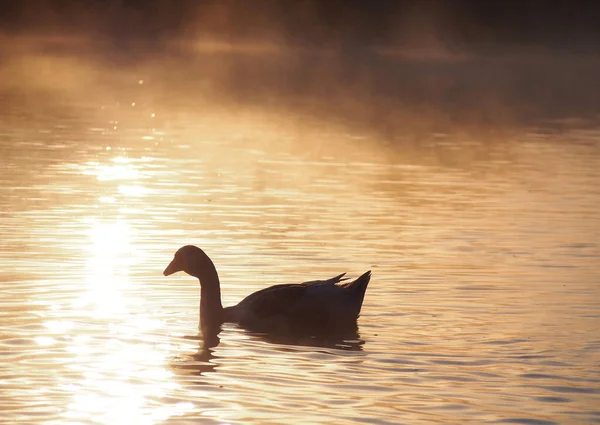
{"x": 316, "y": 306}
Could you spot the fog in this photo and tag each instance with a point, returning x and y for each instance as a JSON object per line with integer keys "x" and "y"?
{"x": 379, "y": 67}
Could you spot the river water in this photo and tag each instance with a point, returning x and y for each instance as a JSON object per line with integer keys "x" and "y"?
{"x": 484, "y": 305}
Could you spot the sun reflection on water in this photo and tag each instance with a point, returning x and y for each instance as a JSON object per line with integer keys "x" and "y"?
{"x": 132, "y": 190}
{"x": 123, "y": 374}
{"x": 107, "y": 267}
{"x": 122, "y": 168}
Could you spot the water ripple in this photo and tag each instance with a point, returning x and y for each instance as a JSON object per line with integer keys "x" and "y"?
{"x": 483, "y": 306}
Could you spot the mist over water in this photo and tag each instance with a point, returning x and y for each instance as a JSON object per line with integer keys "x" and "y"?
{"x": 454, "y": 154}
{"x": 386, "y": 67}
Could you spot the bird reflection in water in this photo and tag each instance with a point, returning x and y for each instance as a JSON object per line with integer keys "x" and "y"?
{"x": 200, "y": 362}
{"x": 347, "y": 340}
{"x": 203, "y": 360}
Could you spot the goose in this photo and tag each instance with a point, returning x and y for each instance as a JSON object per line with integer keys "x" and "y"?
{"x": 319, "y": 306}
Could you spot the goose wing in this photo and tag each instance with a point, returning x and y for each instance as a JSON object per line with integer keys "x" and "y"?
{"x": 279, "y": 299}
{"x": 309, "y": 305}
{"x": 287, "y": 302}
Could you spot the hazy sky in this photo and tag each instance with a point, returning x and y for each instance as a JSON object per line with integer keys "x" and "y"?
{"x": 467, "y": 22}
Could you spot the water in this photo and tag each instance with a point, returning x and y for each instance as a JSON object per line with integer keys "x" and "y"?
{"x": 484, "y": 306}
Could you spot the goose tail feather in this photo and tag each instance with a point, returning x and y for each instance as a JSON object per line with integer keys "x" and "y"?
{"x": 359, "y": 285}
{"x": 340, "y": 278}
{"x": 356, "y": 292}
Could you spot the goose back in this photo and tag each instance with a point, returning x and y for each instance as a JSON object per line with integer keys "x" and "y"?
{"x": 320, "y": 305}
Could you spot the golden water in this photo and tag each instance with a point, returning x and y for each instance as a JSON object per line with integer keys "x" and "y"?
{"x": 484, "y": 306}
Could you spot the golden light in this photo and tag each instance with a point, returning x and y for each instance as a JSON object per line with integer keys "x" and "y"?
{"x": 45, "y": 341}
{"x": 107, "y": 199}
{"x": 107, "y": 267}
{"x": 119, "y": 356}
{"x": 132, "y": 190}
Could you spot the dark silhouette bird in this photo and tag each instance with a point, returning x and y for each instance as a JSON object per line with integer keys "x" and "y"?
{"x": 316, "y": 307}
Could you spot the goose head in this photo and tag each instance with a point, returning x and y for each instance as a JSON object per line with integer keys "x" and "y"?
{"x": 187, "y": 259}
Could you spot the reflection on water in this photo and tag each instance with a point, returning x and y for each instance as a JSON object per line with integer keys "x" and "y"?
{"x": 483, "y": 307}
{"x": 204, "y": 360}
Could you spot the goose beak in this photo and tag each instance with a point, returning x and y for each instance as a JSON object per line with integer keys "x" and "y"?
{"x": 173, "y": 267}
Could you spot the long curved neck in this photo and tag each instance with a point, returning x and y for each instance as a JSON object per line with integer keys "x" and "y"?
{"x": 211, "y": 309}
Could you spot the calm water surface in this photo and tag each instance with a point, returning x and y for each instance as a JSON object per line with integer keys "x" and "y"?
{"x": 484, "y": 305}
